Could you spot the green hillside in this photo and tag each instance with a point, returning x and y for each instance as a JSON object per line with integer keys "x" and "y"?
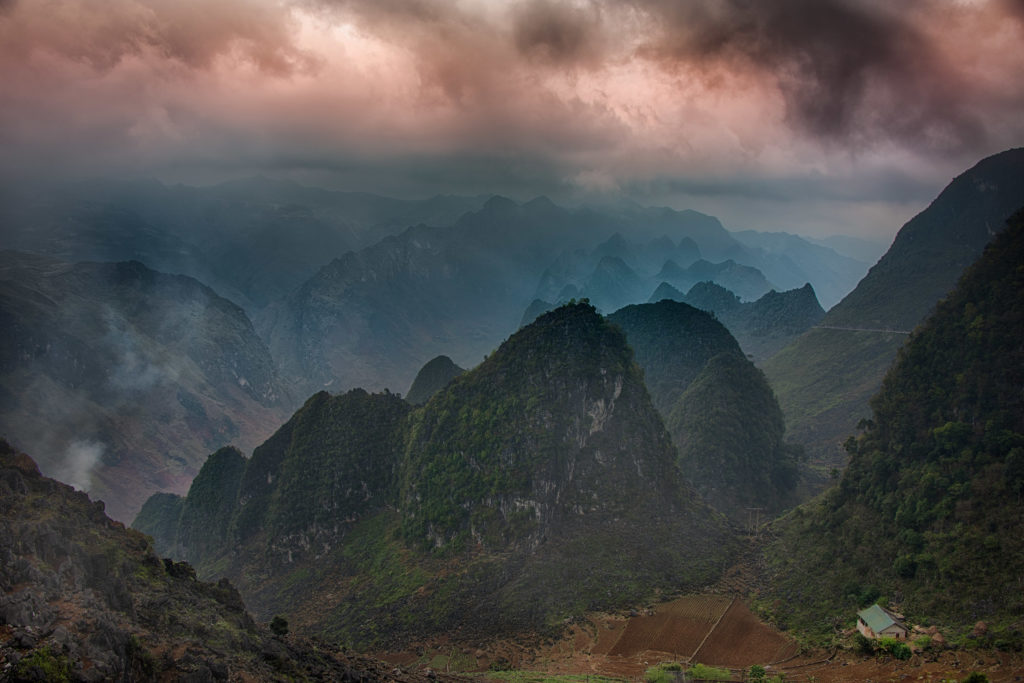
{"x": 673, "y": 342}
{"x": 929, "y": 513}
{"x": 720, "y": 412}
{"x": 532, "y": 488}
{"x": 824, "y": 379}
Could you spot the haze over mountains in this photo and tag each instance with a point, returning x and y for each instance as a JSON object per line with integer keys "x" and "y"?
{"x": 632, "y": 262}
{"x": 343, "y": 289}
{"x": 587, "y": 462}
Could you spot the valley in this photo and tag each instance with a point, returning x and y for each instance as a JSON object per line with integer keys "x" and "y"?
{"x": 649, "y": 475}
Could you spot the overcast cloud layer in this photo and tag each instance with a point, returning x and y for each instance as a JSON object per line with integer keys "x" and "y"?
{"x": 813, "y": 116}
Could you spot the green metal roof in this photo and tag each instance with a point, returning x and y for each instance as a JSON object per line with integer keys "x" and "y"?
{"x": 878, "y": 619}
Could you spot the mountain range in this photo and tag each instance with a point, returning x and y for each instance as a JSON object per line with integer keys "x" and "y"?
{"x": 84, "y": 599}
{"x": 825, "y": 378}
{"x": 537, "y": 485}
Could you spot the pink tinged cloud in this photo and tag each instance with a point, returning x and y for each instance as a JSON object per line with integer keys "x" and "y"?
{"x": 596, "y": 94}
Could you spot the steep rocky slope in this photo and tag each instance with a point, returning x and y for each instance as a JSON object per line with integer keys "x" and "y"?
{"x": 123, "y": 379}
{"x": 929, "y": 512}
{"x": 84, "y": 599}
{"x": 825, "y": 378}
{"x": 537, "y": 485}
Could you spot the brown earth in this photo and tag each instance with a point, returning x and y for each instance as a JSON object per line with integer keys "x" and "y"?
{"x": 711, "y": 629}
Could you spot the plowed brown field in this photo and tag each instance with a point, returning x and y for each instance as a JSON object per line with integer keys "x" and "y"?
{"x": 710, "y": 629}
{"x": 740, "y": 639}
{"x": 676, "y": 628}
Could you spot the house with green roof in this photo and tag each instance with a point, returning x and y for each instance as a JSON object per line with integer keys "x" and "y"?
{"x": 877, "y": 622}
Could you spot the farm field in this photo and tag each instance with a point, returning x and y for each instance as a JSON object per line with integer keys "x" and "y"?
{"x": 711, "y": 629}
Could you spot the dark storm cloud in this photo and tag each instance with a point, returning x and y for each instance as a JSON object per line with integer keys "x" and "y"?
{"x": 752, "y": 97}
{"x": 557, "y": 33}
{"x": 849, "y": 71}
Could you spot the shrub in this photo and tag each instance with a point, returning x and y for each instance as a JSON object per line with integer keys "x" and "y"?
{"x": 975, "y": 677}
{"x": 43, "y": 665}
{"x": 666, "y": 672}
{"x": 709, "y": 673}
{"x": 279, "y": 626}
{"x": 894, "y": 647}
{"x": 863, "y": 645}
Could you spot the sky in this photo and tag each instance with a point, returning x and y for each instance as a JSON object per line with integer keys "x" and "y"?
{"x": 808, "y": 116}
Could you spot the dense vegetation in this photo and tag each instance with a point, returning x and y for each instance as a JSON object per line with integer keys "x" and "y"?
{"x": 929, "y": 512}
{"x": 673, "y": 341}
{"x": 719, "y": 410}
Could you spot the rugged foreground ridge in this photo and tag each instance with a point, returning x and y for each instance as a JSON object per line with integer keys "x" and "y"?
{"x": 534, "y": 487}
{"x": 84, "y": 599}
{"x": 930, "y": 512}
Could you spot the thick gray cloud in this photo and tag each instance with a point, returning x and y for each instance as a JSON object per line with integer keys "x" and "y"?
{"x": 649, "y": 98}
{"x": 850, "y": 72}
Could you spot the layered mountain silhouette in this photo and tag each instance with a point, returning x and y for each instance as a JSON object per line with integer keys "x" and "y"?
{"x": 432, "y": 378}
{"x": 929, "y": 511}
{"x": 824, "y": 379}
{"x": 123, "y": 378}
{"x": 252, "y": 240}
{"x": 536, "y": 485}
{"x": 718, "y": 408}
{"x": 762, "y": 327}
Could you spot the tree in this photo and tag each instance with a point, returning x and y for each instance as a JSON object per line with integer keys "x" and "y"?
{"x": 279, "y": 626}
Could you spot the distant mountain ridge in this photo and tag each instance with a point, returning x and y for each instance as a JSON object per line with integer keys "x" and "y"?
{"x": 762, "y": 327}
{"x": 432, "y": 378}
